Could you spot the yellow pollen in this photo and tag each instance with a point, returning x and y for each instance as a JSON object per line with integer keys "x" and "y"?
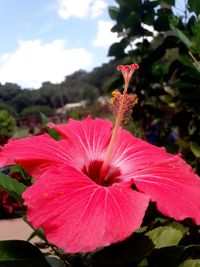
{"x": 115, "y": 92}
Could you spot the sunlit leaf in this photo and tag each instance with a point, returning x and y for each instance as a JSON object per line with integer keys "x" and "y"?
{"x": 190, "y": 263}
{"x": 182, "y": 37}
{"x": 165, "y": 236}
{"x": 195, "y": 148}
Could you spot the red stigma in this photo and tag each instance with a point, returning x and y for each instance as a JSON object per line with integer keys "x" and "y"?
{"x": 120, "y": 67}
{"x": 127, "y": 70}
{"x": 128, "y": 67}
{"x": 134, "y": 66}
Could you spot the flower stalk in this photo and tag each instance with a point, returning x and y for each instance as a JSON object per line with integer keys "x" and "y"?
{"x": 121, "y": 105}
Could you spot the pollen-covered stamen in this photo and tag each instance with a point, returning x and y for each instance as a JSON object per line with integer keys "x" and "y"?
{"x": 129, "y": 101}
{"x": 121, "y": 105}
{"x": 115, "y": 102}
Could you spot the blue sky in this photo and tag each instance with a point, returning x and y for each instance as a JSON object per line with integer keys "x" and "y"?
{"x": 45, "y": 40}
{"x": 48, "y": 39}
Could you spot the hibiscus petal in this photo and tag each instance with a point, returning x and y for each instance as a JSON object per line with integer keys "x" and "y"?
{"x": 89, "y": 141}
{"x": 35, "y": 154}
{"x": 173, "y": 186}
{"x": 131, "y": 154}
{"x": 78, "y": 215}
{"x": 89, "y": 138}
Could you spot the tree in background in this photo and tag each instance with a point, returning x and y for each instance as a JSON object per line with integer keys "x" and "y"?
{"x": 154, "y": 36}
{"x": 7, "y": 126}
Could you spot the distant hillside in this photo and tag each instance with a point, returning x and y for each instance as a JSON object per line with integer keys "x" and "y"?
{"x": 78, "y": 86}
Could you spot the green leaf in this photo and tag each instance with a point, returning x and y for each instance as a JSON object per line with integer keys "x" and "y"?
{"x": 134, "y": 20}
{"x": 190, "y": 263}
{"x": 38, "y": 232}
{"x": 136, "y": 5}
{"x": 165, "y": 236}
{"x": 194, "y": 6}
{"x": 197, "y": 65}
{"x": 195, "y": 148}
{"x": 162, "y": 21}
{"x": 149, "y": 17}
{"x": 12, "y": 186}
{"x": 113, "y": 12}
{"x": 117, "y": 28}
{"x": 186, "y": 60}
{"x": 143, "y": 263}
{"x": 117, "y": 50}
{"x": 43, "y": 118}
{"x": 182, "y": 37}
{"x": 129, "y": 3}
{"x": 55, "y": 135}
{"x": 18, "y": 253}
{"x": 23, "y": 173}
{"x": 150, "y": 5}
{"x": 120, "y": 2}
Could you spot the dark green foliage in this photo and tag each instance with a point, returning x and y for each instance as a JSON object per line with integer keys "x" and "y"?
{"x": 126, "y": 253}
{"x": 35, "y": 110}
{"x": 165, "y": 257}
{"x": 194, "y": 6}
{"x": 9, "y": 91}
{"x": 163, "y": 19}
{"x": 168, "y": 81}
{"x": 18, "y": 253}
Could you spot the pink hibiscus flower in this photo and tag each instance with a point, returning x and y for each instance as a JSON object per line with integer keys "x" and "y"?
{"x": 83, "y": 196}
{"x": 80, "y": 212}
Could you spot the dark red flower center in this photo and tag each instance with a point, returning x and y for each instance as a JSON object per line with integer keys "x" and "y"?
{"x": 93, "y": 172}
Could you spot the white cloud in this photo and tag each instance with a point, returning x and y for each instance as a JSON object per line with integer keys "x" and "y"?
{"x": 35, "y": 62}
{"x": 105, "y": 37}
{"x": 149, "y": 28}
{"x": 80, "y": 8}
{"x": 97, "y": 8}
{"x": 73, "y": 8}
